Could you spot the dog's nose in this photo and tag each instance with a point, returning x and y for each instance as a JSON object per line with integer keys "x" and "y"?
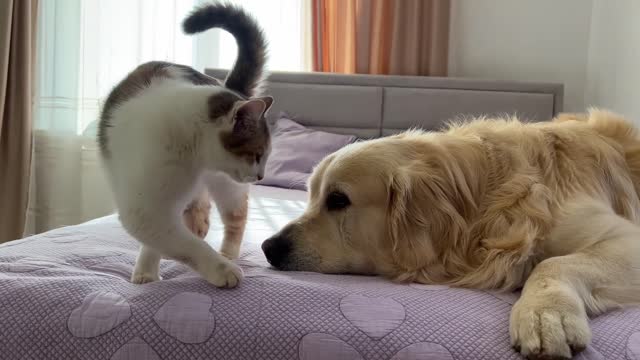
{"x": 276, "y": 249}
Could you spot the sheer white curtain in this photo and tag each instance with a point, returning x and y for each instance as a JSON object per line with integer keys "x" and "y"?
{"x": 86, "y": 47}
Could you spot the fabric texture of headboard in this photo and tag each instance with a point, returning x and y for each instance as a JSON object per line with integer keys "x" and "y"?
{"x": 370, "y": 106}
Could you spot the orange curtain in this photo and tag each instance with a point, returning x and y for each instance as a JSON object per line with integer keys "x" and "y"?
{"x": 399, "y": 37}
{"x": 18, "y": 19}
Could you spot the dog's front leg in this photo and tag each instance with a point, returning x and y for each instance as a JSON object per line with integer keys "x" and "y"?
{"x": 550, "y": 318}
{"x": 594, "y": 272}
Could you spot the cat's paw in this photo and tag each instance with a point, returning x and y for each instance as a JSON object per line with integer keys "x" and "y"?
{"x": 230, "y": 248}
{"x": 197, "y": 220}
{"x": 549, "y": 327}
{"x": 144, "y": 277}
{"x": 225, "y": 274}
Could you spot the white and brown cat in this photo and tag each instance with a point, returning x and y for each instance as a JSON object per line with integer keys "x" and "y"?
{"x": 169, "y": 136}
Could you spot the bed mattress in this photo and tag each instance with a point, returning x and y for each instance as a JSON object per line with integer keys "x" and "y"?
{"x": 65, "y": 294}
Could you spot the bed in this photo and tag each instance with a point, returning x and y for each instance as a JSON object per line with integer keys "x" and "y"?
{"x": 65, "y": 294}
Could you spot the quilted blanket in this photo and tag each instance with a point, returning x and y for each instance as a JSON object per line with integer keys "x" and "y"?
{"x": 66, "y": 294}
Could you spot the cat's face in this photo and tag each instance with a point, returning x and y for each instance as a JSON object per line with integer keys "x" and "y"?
{"x": 248, "y": 167}
{"x": 248, "y": 144}
{"x": 256, "y": 170}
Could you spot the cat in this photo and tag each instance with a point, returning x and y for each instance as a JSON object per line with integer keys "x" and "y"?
{"x": 169, "y": 136}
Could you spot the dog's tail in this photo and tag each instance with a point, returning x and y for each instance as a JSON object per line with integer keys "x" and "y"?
{"x": 606, "y": 123}
{"x": 625, "y": 133}
{"x": 247, "y": 73}
{"x": 616, "y": 127}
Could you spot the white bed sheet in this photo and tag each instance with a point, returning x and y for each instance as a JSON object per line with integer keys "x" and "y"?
{"x": 270, "y": 208}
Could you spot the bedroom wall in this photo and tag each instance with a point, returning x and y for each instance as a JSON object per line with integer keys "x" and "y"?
{"x": 542, "y": 40}
{"x": 613, "y": 71}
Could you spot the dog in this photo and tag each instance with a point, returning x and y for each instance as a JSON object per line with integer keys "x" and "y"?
{"x": 549, "y": 207}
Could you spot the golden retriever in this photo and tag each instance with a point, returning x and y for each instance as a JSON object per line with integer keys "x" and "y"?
{"x": 551, "y": 207}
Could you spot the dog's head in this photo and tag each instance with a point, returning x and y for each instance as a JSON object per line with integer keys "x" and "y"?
{"x": 384, "y": 206}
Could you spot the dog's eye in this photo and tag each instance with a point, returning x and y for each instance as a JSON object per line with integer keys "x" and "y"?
{"x": 337, "y": 201}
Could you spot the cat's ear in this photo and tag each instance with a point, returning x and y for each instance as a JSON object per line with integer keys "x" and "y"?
{"x": 253, "y": 109}
{"x": 250, "y": 109}
{"x": 268, "y": 101}
{"x": 249, "y": 116}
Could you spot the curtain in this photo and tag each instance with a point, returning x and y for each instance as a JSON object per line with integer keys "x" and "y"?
{"x": 18, "y": 20}
{"x": 397, "y": 37}
{"x": 86, "y": 47}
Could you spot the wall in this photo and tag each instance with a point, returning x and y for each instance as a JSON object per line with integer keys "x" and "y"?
{"x": 529, "y": 40}
{"x": 613, "y": 76}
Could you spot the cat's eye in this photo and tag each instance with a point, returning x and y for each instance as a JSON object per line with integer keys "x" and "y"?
{"x": 337, "y": 201}
{"x": 258, "y": 158}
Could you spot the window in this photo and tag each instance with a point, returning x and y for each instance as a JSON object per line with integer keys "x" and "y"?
{"x": 86, "y": 47}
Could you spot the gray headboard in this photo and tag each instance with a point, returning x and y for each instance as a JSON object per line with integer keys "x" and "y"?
{"x": 372, "y": 105}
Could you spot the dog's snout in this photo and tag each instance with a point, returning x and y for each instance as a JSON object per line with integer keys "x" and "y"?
{"x": 277, "y": 249}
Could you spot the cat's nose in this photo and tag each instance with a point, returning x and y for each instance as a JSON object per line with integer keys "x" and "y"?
{"x": 260, "y": 177}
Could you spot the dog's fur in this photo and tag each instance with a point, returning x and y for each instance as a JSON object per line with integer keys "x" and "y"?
{"x": 491, "y": 204}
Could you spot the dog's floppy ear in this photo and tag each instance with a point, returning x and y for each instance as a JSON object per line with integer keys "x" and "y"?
{"x": 408, "y": 219}
{"x": 425, "y": 214}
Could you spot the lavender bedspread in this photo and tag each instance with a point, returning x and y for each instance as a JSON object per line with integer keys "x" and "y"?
{"x": 65, "y": 294}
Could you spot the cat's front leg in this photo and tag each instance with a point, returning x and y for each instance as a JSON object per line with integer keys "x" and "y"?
{"x": 234, "y": 221}
{"x": 196, "y": 215}
{"x": 157, "y": 226}
{"x": 147, "y": 268}
{"x": 232, "y": 201}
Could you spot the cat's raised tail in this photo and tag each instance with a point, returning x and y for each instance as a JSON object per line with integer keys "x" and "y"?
{"x": 246, "y": 75}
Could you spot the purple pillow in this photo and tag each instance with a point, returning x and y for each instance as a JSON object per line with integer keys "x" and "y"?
{"x": 295, "y": 151}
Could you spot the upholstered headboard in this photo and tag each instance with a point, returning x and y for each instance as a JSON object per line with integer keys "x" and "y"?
{"x": 372, "y": 105}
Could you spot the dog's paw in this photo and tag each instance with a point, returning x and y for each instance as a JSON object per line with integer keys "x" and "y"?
{"x": 225, "y": 274}
{"x": 144, "y": 277}
{"x": 549, "y": 327}
{"x": 197, "y": 220}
